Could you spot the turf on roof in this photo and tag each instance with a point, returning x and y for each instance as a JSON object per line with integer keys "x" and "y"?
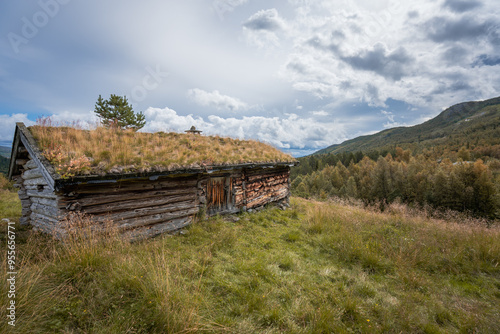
{"x": 101, "y": 151}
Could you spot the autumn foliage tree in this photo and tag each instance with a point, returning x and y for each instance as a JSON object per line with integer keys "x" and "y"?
{"x": 117, "y": 112}
{"x": 420, "y": 180}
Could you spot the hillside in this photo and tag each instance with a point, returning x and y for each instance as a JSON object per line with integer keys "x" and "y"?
{"x": 5, "y": 152}
{"x": 4, "y": 165}
{"x": 464, "y": 124}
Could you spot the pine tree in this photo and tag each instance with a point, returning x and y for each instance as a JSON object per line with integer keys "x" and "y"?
{"x": 117, "y": 112}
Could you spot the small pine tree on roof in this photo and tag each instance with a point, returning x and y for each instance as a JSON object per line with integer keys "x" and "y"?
{"x": 117, "y": 112}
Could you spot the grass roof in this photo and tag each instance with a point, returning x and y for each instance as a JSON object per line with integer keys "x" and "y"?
{"x": 103, "y": 151}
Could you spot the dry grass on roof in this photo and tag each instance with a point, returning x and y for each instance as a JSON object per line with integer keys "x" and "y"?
{"x": 74, "y": 151}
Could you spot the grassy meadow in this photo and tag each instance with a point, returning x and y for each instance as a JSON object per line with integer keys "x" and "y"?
{"x": 318, "y": 267}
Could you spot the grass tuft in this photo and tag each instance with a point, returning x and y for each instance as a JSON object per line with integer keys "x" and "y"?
{"x": 318, "y": 267}
{"x": 74, "y": 151}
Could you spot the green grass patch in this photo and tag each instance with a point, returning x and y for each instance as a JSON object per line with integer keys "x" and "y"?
{"x": 314, "y": 268}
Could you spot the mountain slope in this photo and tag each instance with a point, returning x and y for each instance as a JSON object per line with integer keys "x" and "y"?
{"x": 4, "y": 165}
{"x": 5, "y": 152}
{"x": 476, "y": 123}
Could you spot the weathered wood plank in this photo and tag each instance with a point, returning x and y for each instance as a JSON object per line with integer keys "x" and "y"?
{"x": 257, "y": 185}
{"x": 264, "y": 190}
{"x": 132, "y": 185}
{"x": 21, "y": 162}
{"x": 267, "y": 198}
{"x": 136, "y": 204}
{"x": 91, "y": 199}
{"x": 156, "y": 219}
{"x": 155, "y": 230}
{"x": 144, "y": 212}
{"x": 255, "y": 175}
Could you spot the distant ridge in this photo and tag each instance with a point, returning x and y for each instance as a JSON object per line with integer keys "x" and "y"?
{"x": 5, "y": 152}
{"x": 463, "y": 123}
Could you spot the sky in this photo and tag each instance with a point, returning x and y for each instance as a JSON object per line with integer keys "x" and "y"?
{"x": 298, "y": 74}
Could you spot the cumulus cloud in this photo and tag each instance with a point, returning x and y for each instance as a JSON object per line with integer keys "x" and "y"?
{"x": 347, "y": 52}
{"x": 8, "y": 125}
{"x": 265, "y": 20}
{"x": 262, "y": 28}
{"x": 216, "y": 100}
{"x": 461, "y": 6}
{"x": 290, "y": 132}
{"x": 486, "y": 60}
{"x": 393, "y": 65}
{"x": 391, "y": 123}
{"x": 319, "y": 113}
{"x": 446, "y": 29}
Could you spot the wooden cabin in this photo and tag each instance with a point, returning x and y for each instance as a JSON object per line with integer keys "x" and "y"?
{"x": 141, "y": 202}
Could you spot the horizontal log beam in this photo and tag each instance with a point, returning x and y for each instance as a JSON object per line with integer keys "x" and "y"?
{"x": 267, "y": 198}
{"x": 135, "y": 185}
{"x": 137, "y": 204}
{"x": 21, "y": 162}
{"x": 257, "y": 175}
{"x": 154, "y": 230}
{"x": 124, "y": 215}
{"x": 265, "y": 190}
{"x": 90, "y": 199}
{"x": 156, "y": 219}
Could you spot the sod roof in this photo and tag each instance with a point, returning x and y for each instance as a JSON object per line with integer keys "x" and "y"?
{"x": 104, "y": 151}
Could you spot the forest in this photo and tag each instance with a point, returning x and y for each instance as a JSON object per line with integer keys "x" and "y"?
{"x": 466, "y": 180}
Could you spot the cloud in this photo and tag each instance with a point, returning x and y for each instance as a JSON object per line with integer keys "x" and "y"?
{"x": 216, "y": 100}
{"x": 265, "y": 20}
{"x": 393, "y": 65}
{"x": 391, "y": 123}
{"x": 455, "y": 55}
{"x": 460, "y": 6}
{"x": 263, "y": 27}
{"x": 486, "y": 60}
{"x": 445, "y": 29}
{"x": 319, "y": 113}
{"x": 8, "y": 125}
{"x": 289, "y": 132}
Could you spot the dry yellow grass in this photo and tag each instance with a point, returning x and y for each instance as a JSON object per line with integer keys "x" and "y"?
{"x": 75, "y": 152}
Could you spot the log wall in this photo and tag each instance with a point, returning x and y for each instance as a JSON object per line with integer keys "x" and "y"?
{"x": 142, "y": 208}
{"x": 138, "y": 208}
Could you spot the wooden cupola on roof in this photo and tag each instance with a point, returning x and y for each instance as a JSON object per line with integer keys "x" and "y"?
{"x": 194, "y": 131}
